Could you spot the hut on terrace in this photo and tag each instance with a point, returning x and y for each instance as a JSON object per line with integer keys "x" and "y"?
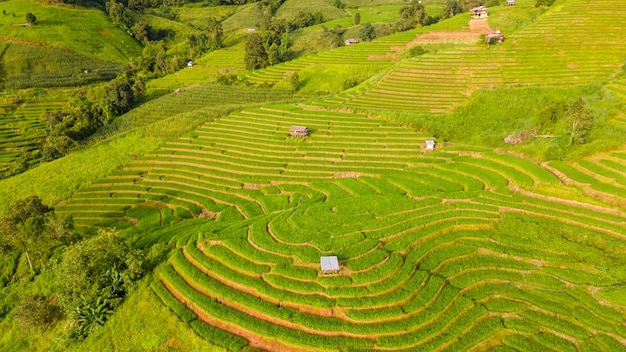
{"x": 510, "y": 2}
{"x": 430, "y": 144}
{"x": 479, "y": 12}
{"x": 298, "y": 131}
{"x": 493, "y": 37}
{"x": 329, "y": 264}
{"x": 351, "y": 41}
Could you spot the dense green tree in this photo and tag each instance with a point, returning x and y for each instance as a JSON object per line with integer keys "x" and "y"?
{"x": 412, "y": 15}
{"x": 581, "y": 121}
{"x": 269, "y": 7}
{"x": 294, "y": 80}
{"x": 153, "y": 59}
{"x": 120, "y": 94}
{"x": 26, "y": 227}
{"x": 141, "y": 31}
{"x": 30, "y": 18}
{"x": 94, "y": 276}
{"x": 118, "y": 14}
{"x": 367, "y": 32}
{"x": 255, "y": 56}
{"x": 334, "y": 36}
{"x": 215, "y": 33}
{"x": 357, "y": 18}
{"x": 195, "y": 48}
{"x": 453, "y": 7}
{"x": 306, "y": 19}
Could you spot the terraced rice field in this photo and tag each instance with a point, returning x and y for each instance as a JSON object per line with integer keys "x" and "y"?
{"x": 376, "y": 53}
{"x": 224, "y": 61}
{"x": 22, "y": 127}
{"x": 567, "y": 46}
{"x": 446, "y": 250}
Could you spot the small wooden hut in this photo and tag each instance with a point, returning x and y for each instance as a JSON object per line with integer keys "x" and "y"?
{"x": 494, "y": 36}
{"x": 329, "y": 264}
{"x": 298, "y": 131}
{"x": 430, "y": 144}
{"x": 479, "y": 12}
{"x": 510, "y": 2}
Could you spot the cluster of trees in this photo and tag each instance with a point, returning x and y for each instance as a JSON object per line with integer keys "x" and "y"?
{"x": 575, "y": 117}
{"x": 265, "y": 49}
{"x": 453, "y": 8}
{"x": 83, "y": 115}
{"x": 154, "y": 61}
{"x": 91, "y": 276}
{"x": 34, "y": 230}
{"x": 135, "y": 5}
{"x": 414, "y": 15}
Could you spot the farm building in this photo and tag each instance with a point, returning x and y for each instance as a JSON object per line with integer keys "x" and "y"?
{"x": 298, "y": 131}
{"x": 494, "y": 36}
{"x": 329, "y": 264}
{"x": 430, "y": 144}
{"x": 510, "y": 2}
{"x": 479, "y": 12}
{"x": 351, "y": 41}
{"x": 190, "y": 64}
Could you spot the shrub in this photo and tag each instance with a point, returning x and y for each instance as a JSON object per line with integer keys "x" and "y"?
{"x": 30, "y": 18}
{"x": 544, "y": 3}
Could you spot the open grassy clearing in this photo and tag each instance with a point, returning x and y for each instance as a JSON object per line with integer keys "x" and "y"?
{"x": 86, "y": 32}
{"x": 29, "y": 66}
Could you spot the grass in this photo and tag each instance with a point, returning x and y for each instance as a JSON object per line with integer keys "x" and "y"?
{"x": 157, "y": 328}
{"x": 87, "y": 32}
{"x": 291, "y": 8}
{"x": 29, "y": 66}
{"x": 409, "y": 267}
{"x": 470, "y": 246}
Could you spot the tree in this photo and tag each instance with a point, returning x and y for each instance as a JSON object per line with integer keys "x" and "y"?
{"x": 411, "y": 16}
{"x": 255, "y": 56}
{"x": 214, "y": 32}
{"x": 334, "y": 36}
{"x": 118, "y": 14}
{"x": 94, "y": 276}
{"x": 24, "y": 228}
{"x": 367, "y": 32}
{"x": 141, "y": 31}
{"x": 194, "y": 47}
{"x": 120, "y": 94}
{"x": 295, "y": 81}
{"x": 357, "y": 18}
{"x": 452, "y": 8}
{"x": 581, "y": 121}
{"x": 30, "y": 18}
